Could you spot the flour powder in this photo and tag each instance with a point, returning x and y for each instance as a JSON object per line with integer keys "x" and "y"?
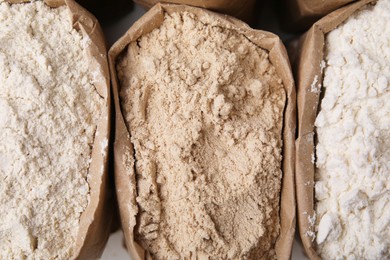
{"x": 204, "y": 106}
{"x": 48, "y": 112}
{"x": 353, "y": 130}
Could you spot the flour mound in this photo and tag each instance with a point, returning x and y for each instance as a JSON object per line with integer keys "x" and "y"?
{"x": 49, "y": 109}
{"x": 204, "y": 107}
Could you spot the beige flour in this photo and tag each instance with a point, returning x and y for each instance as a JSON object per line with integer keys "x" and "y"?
{"x": 48, "y": 114}
{"x": 204, "y": 107}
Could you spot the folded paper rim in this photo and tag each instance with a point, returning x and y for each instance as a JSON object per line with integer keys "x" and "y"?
{"x": 242, "y": 9}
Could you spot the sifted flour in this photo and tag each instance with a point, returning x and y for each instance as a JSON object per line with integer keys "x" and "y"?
{"x": 204, "y": 107}
{"x": 353, "y": 129}
{"x": 48, "y": 114}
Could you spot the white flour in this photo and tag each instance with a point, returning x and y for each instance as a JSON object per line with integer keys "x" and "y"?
{"x": 48, "y": 112}
{"x": 353, "y": 130}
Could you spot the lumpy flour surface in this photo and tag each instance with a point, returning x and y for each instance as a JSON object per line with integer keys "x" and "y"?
{"x": 48, "y": 114}
{"x": 204, "y": 107}
{"x": 353, "y": 129}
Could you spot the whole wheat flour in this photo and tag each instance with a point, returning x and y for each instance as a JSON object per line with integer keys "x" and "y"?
{"x": 48, "y": 114}
{"x": 353, "y": 129}
{"x": 204, "y": 107}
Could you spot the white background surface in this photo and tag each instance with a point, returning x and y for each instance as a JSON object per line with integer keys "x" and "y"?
{"x": 266, "y": 20}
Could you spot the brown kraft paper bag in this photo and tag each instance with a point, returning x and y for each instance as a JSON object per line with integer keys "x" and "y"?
{"x": 242, "y": 9}
{"x": 95, "y": 221}
{"x": 125, "y": 179}
{"x": 308, "y": 74}
{"x": 303, "y": 13}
